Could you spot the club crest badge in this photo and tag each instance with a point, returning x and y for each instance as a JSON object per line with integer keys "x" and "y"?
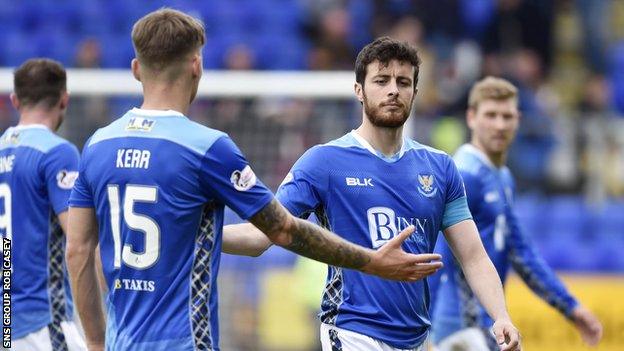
{"x": 426, "y": 187}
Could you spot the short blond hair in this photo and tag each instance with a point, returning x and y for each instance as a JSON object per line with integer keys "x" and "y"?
{"x": 491, "y": 88}
{"x": 165, "y": 36}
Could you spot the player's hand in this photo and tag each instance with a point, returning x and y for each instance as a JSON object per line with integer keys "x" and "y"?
{"x": 507, "y": 336}
{"x": 391, "y": 262}
{"x": 588, "y": 325}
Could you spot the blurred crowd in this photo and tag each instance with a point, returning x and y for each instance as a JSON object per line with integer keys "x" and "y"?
{"x": 565, "y": 56}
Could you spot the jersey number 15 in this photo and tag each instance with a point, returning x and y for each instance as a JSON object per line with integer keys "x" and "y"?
{"x": 136, "y": 222}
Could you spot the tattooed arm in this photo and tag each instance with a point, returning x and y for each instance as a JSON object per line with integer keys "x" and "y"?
{"x": 307, "y": 239}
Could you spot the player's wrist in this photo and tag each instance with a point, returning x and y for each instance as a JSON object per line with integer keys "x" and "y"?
{"x": 503, "y": 317}
{"x": 95, "y": 345}
{"x": 372, "y": 262}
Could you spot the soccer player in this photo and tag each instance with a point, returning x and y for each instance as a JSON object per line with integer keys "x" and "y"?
{"x": 152, "y": 189}
{"x": 368, "y": 186}
{"x": 459, "y": 321}
{"x": 37, "y": 172}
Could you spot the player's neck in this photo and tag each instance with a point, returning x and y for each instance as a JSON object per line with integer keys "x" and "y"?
{"x": 388, "y": 141}
{"x": 46, "y": 117}
{"x": 497, "y": 159}
{"x": 171, "y": 96}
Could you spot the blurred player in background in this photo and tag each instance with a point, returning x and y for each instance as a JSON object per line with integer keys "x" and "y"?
{"x": 153, "y": 184}
{"x": 368, "y": 186}
{"x": 37, "y": 172}
{"x": 460, "y": 322}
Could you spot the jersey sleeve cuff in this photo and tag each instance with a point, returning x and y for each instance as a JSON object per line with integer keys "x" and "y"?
{"x": 456, "y": 211}
{"x": 81, "y": 204}
{"x": 257, "y": 207}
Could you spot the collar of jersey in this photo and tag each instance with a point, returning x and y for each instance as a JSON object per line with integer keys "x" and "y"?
{"x": 156, "y": 113}
{"x": 471, "y": 149}
{"x": 30, "y": 126}
{"x": 372, "y": 150}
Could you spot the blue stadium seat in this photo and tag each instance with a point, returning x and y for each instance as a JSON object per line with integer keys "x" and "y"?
{"x": 566, "y": 217}
{"x": 277, "y": 51}
{"x": 361, "y": 17}
{"x": 19, "y": 48}
{"x": 285, "y": 16}
{"x": 11, "y": 14}
{"x": 529, "y": 210}
{"x": 56, "y": 43}
{"x": 117, "y": 50}
{"x": 616, "y": 75}
{"x": 216, "y": 48}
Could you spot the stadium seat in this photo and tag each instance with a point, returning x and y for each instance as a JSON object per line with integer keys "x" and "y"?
{"x": 17, "y": 51}
{"x": 281, "y": 52}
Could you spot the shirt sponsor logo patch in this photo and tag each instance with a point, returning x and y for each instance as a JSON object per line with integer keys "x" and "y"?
{"x": 243, "y": 180}
{"x": 140, "y": 124}
{"x": 65, "y": 179}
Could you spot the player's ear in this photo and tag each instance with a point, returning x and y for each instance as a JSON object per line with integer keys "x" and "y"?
{"x": 359, "y": 91}
{"x": 470, "y": 116}
{"x": 197, "y": 65}
{"x": 64, "y": 102}
{"x": 15, "y": 101}
{"x": 136, "y": 71}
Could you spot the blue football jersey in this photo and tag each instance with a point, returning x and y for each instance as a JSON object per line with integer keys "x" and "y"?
{"x": 367, "y": 199}
{"x": 490, "y": 198}
{"x": 37, "y": 171}
{"x": 158, "y": 183}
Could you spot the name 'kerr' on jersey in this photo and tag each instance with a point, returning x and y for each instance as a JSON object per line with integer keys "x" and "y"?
{"x": 159, "y": 183}
{"x": 37, "y": 171}
{"x": 368, "y": 199}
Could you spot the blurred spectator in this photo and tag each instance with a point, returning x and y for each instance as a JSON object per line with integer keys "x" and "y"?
{"x": 8, "y": 115}
{"x": 89, "y": 54}
{"x": 592, "y": 14}
{"x": 601, "y": 142}
{"x": 86, "y": 114}
{"x": 239, "y": 57}
{"x": 522, "y": 23}
{"x": 411, "y": 30}
{"x": 332, "y": 33}
{"x": 531, "y": 151}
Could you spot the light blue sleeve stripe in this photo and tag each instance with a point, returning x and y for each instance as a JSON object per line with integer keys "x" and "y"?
{"x": 455, "y": 212}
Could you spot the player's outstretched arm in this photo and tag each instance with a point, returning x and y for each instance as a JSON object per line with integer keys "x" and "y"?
{"x": 543, "y": 281}
{"x": 244, "y": 239}
{"x": 82, "y": 239}
{"x": 312, "y": 241}
{"x": 463, "y": 238}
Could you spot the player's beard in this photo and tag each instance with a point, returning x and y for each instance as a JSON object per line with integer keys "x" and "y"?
{"x": 386, "y": 119}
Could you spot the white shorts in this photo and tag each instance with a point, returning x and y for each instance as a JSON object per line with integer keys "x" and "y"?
{"x": 338, "y": 339}
{"x": 40, "y": 340}
{"x": 469, "y": 339}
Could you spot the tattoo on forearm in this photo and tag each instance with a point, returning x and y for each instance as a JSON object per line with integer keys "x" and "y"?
{"x": 310, "y": 240}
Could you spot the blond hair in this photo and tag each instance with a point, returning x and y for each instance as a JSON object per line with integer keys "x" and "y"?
{"x": 491, "y": 88}
{"x": 166, "y": 36}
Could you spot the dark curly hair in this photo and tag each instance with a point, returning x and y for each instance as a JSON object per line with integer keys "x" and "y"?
{"x": 385, "y": 49}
